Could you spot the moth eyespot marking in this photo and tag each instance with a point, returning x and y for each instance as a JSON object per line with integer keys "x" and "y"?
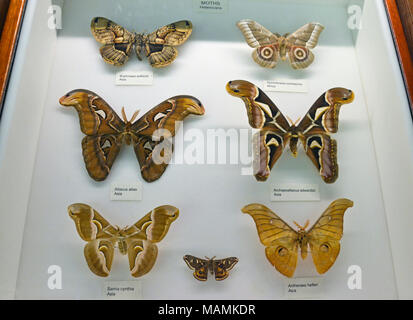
{"x": 159, "y": 116}
{"x": 106, "y": 144}
{"x": 324, "y": 247}
{"x": 300, "y": 54}
{"x": 101, "y": 113}
{"x": 267, "y": 52}
{"x": 282, "y": 251}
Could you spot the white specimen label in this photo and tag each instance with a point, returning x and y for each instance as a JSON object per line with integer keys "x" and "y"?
{"x": 299, "y": 288}
{"x": 289, "y": 85}
{"x": 123, "y": 290}
{"x": 134, "y": 78}
{"x": 211, "y": 6}
{"x": 126, "y": 191}
{"x": 295, "y": 192}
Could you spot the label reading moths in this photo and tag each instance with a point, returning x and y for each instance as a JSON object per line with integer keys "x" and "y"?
{"x": 210, "y": 6}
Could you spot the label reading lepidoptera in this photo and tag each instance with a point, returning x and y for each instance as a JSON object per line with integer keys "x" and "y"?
{"x": 126, "y": 191}
{"x": 134, "y": 78}
{"x": 210, "y": 6}
{"x": 295, "y": 192}
{"x": 122, "y": 290}
{"x": 299, "y": 288}
{"x": 281, "y": 85}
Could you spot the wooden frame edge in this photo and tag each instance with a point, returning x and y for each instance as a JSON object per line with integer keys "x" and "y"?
{"x": 401, "y": 46}
{"x": 8, "y": 43}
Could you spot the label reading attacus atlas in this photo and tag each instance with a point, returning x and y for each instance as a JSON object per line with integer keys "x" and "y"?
{"x": 282, "y": 85}
{"x": 134, "y": 78}
{"x": 126, "y": 191}
{"x": 210, "y": 6}
{"x": 295, "y": 192}
{"x": 122, "y": 290}
{"x": 299, "y": 288}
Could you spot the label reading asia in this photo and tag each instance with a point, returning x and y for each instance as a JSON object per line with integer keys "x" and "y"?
{"x": 295, "y": 192}
{"x": 211, "y": 6}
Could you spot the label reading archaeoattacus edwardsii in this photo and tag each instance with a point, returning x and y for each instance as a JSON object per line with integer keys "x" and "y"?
{"x": 134, "y": 78}
{"x": 126, "y": 191}
{"x": 281, "y": 85}
{"x": 122, "y": 290}
{"x": 210, "y": 6}
{"x": 299, "y": 288}
{"x": 295, "y": 192}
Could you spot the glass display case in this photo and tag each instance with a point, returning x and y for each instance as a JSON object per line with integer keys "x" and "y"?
{"x": 210, "y": 179}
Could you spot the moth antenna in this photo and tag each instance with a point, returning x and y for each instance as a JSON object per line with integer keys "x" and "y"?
{"x": 135, "y": 115}
{"x": 213, "y": 257}
{"x": 299, "y": 119}
{"x": 306, "y": 224}
{"x": 124, "y": 115}
{"x": 300, "y": 227}
{"x": 207, "y": 258}
{"x": 290, "y": 121}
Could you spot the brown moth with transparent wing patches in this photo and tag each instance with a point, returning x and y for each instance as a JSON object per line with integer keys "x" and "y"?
{"x": 276, "y": 132}
{"x": 220, "y": 267}
{"x": 138, "y": 241}
{"x": 270, "y": 47}
{"x": 158, "y": 46}
{"x": 282, "y": 242}
{"x": 106, "y": 132}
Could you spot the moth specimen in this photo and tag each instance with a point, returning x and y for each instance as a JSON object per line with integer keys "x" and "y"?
{"x": 219, "y": 267}
{"x": 138, "y": 241}
{"x": 276, "y": 132}
{"x": 158, "y": 46}
{"x": 270, "y": 47}
{"x": 282, "y": 242}
{"x": 106, "y": 132}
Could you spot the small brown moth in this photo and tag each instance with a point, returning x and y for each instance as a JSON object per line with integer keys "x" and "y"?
{"x": 158, "y": 46}
{"x": 219, "y": 267}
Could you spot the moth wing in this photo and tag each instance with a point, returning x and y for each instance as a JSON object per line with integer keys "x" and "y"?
{"x": 319, "y": 121}
{"x": 280, "y": 240}
{"x": 90, "y": 225}
{"x": 261, "y": 110}
{"x": 324, "y": 237}
{"x": 223, "y": 266}
{"x": 307, "y": 36}
{"x": 200, "y": 267}
{"x": 266, "y": 56}
{"x": 142, "y": 256}
{"x": 255, "y": 34}
{"x": 300, "y": 57}
{"x": 325, "y": 111}
{"x": 99, "y": 256}
{"x": 156, "y": 128}
{"x": 117, "y": 41}
{"x": 322, "y": 150}
{"x": 102, "y": 127}
{"x": 268, "y": 147}
{"x": 154, "y": 225}
{"x": 160, "y": 56}
{"x": 116, "y": 54}
{"x": 173, "y": 34}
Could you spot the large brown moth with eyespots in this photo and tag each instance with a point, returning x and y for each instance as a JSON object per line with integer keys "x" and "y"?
{"x": 270, "y": 47}
{"x": 282, "y": 242}
{"x": 202, "y": 267}
{"x": 138, "y": 241}
{"x": 158, "y": 46}
{"x": 151, "y": 135}
{"x": 276, "y": 132}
